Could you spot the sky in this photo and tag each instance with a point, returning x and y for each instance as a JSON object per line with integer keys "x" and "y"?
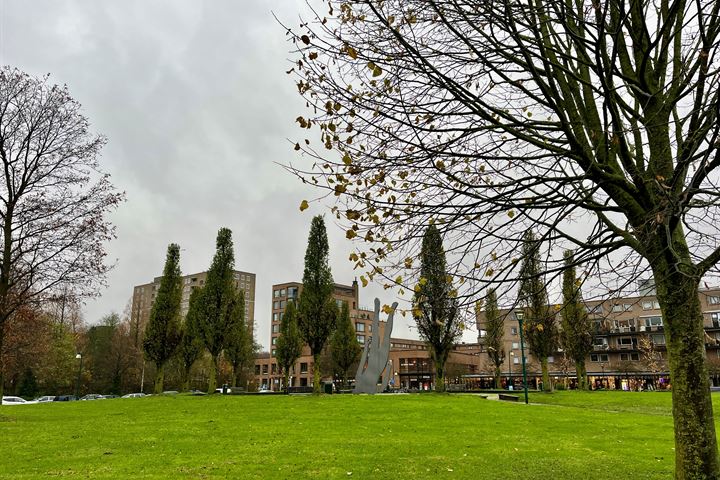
{"x": 199, "y": 116}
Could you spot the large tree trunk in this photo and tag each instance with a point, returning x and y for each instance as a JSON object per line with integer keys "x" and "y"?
{"x": 185, "y": 385}
{"x": 317, "y": 387}
{"x": 547, "y": 385}
{"x": 212, "y": 381}
{"x": 440, "y": 378}
{"x": 581, "y": 374}
{"x": 286, "y": 381}
{"x": 159, "y": 378}
{"x": 498, "y": 381}
{"x": 2, "y": 364}
{"x": 696, "y": 455}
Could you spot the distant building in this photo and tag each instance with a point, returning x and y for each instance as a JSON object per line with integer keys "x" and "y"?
{"x": 628, "y": 332}
{"x": 144, "y": 296}
{"x": 411, "y": 364}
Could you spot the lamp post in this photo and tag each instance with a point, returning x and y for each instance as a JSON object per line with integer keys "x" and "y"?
{"x": 510, "y": 362}
{"x": 77, "y": 384}
{"x": 522, "y": 353}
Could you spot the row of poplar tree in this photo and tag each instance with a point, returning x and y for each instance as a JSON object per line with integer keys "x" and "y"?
{"x": 317, "y": 318}
{"x": 540, "y": 329}
{"x": 215, "y": 321}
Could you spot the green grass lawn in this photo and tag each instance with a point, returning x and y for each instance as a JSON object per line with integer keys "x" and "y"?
{"x": 596, "y": 435}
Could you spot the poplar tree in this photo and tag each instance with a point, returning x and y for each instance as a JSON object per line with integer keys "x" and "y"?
{"x": 191, "y": 346}
{"x": 435, "y": 305}
{"x": 218, "y": 302}
{"x": 576, "y": 336}
{"x": 539, "y": 320}
{"x": 289, "y": 344}
{"x": 494, "y": 338}
{"x": 240, "y": 347}
{"x": 344, "y": 348}
{"x": 162, "y": 333}
{"x": 317, "y": 310}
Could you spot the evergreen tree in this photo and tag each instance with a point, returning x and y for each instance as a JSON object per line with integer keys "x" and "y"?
{"x": 576, "y": 336}
{"x": 289, "y": 344}
{"x": 191, "y": 346}
{"x": 344, "y": 347}
{"x": 162, "y": 333}
{"x": 539, "y": 320}
{"x": 494, "y": 341}
{"x": 317, "y": 310}
{"x": 218, "y": 302}
{"x": 28, "y": 384}
{"x": 435, "y": 305}
{"x": 240, "y": 347}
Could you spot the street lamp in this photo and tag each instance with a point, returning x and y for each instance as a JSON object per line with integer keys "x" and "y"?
{"x": 77, "y": 385}
{"x": 522, "y": 357}
{"x": 510, "y": 362}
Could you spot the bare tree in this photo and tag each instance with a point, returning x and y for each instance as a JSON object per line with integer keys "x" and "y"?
{"x": 54, "y": 200}
{"x": 593, "y": 122}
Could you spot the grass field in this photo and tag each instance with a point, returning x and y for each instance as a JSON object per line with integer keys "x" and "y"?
{"x": 595, "y": 435}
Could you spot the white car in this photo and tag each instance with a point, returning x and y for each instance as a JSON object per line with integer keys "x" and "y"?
{"x": 134, "y": 395}
{"x": 46, "y": 398}
{"x": 15, "y": 401}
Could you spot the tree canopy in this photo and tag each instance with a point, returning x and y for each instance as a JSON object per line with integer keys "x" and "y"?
{"x": 54, "y": 198}
{"x": 595, "y": 123}
{"x": 317, "y": 310}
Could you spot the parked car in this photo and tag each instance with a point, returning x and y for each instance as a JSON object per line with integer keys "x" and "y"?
{"x": 107, "y": 397}
{"x": 45, "y": 399}
{"x": 92, "y": 396}
{"x": 65, "y": 398}
{"x": 134, "y": 395}
{"x": 9, "y": 400}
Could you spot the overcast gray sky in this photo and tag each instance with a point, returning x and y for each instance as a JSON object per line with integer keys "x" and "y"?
{"x": 197, "y": 108}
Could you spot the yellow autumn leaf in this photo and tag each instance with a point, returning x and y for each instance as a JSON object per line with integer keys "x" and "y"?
{"x": 304, "y": 205}
{"x": 364, "y": 281}
{"x": 350, "y": 234}
{"x": 386, "y": 309}
{"x": 398, "y": 280}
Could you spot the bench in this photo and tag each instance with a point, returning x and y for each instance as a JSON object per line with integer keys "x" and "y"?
{"x": 507, "y": 397}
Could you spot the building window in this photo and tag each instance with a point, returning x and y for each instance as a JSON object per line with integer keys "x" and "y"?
{"x": 625, "y": 342}
{"x": 551, "y": 359}
{"x": 515, "y": 345}
{"x": 275, "y": 328}
{"x": 303, "y": 367}
{"x": 658, "y": 339}
{"x": 274, "y": 341}
{"x": 513, "y": 330}
{"x": 370, "y": 328}
{"x": 713, "y": 300}
{"x": 276, "y": 305}
{"x": 647, "y": 305}
{"x": 265, "y": 369}
{"x": 282, "y": 292}
{"x": 257, "y": 369}
{"x": 282, "y": 303}
{"x": 360, "y": 338}
{"x": 599, "y": 357}
{"x": 276, "y": 293}
{"x": 275, "y": 317}
{"x": 273, "y": 368}
{"x": 597, "y": 309}
{"x": 359, "y": 327}
{"x": 635, "y": 356}
{"x": 516, "y": 360}
{"x": 715, "y": 317}
{"x": 273, "y": 352}
{"x": 653, "y": 322}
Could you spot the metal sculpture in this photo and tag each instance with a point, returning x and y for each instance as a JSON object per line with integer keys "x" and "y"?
{"x": 375, "y": 356}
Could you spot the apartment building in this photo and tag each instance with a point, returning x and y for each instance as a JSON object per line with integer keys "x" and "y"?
{"x": 410, "y": 360}
{"x": 629, "y": 350}
{"x": 144, "y": 296}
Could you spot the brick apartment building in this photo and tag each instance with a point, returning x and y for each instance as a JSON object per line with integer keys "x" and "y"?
{"x": 144, "y": 296}
{"x": 412, "y": 367}
{"x": 629, "y": 332}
